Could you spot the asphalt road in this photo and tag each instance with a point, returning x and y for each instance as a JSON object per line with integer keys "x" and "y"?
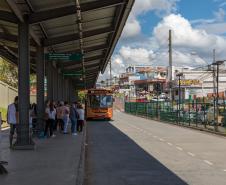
{"x": 136, "y": 151}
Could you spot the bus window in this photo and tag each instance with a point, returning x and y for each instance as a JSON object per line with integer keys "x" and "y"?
{"x": 103, "y": 101}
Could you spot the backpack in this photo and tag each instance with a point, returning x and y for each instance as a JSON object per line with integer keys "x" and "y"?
{"x": 76, "y": 114}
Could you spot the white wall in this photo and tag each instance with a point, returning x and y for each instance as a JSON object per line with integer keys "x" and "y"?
{"x": 7, "y": 94}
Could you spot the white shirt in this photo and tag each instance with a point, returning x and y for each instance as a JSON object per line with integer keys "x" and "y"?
{"x": 51, "y": 114}
{"x": 11, "y": 114}
{"x": 0, "y": 122}
{"x": 81, "y": 114}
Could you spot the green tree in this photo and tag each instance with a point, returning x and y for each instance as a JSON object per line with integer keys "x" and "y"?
{"x": 8, "y": 73}
{"x": 81, "y": 96}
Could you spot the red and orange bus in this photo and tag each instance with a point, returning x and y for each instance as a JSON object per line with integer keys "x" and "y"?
{"x": 99, "y": 104}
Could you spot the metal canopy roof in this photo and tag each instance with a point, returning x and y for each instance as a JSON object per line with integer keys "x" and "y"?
{"x": 90, "y": 27}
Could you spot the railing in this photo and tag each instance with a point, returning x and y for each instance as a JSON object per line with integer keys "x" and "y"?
{"x": 196, "y": 113}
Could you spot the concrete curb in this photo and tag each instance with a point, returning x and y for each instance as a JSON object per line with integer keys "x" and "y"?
{"x": 185, "y": 126}
{"x": 81, "y": 166}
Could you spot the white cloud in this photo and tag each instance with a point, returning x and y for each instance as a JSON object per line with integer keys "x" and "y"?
{"x": 179, "y": 59}
{"x": 220, "y": 14}
{"x": 132, "y": 27}
{"x": 215, "y": 25}
{"x": 187, "y": 37}
{"x": 143, "y": 6}
{"x": 215, "y": 28}
{"x": 135, "y": 56}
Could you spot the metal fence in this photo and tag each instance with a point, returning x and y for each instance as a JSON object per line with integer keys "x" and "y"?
{"x": 196, "y": 113}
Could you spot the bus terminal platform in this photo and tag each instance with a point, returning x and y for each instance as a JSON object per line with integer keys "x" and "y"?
{"x": 54, "y": 161}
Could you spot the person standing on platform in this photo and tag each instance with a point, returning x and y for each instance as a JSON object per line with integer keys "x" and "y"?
{"x": 81, "y": 119}
{"x": 12, "y": 119}
{"x": 51, "y": 111}
{"x": 73, "y": 117}
{"x": 60, "y": 116}
{"x": 66, "y": 116}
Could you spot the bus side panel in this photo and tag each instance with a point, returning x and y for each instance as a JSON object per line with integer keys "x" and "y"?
{"x": 98, "y": 113}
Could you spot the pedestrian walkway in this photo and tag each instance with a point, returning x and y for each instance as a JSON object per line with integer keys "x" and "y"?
{"x": 55, "y": 161}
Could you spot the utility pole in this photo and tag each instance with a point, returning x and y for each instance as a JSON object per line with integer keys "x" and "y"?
{"x": 179, "y": 75}
{"x": 214, "y": 87}
{"x": 110, "y": 73}
{"x": 217, "y": 63}
{"x": 170, "y": 70}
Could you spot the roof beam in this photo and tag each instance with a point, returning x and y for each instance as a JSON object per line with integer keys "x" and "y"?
{"x": 9, "y": 37}
{"x": 8, "y": 56}
{"x": 45, "y": 15}
{"x": 71, "y": 37}
{"x": 13, "y": 38}
{"x": 77, "y": 67}
{"x": 70, "y": 64}
{"x": 12, "y": 58}
{"x": 20, "y": 16}
{"x": 90, "y": 49}
{"x": 15, "y": 50}
{"x": 8, "y": 17}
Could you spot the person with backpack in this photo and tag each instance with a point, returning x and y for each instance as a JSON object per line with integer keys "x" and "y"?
{"x": 74, "y": 117}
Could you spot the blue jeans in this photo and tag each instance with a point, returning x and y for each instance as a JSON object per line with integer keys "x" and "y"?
{"x": 73, "y": 125}
{"x": 66, "y": 120}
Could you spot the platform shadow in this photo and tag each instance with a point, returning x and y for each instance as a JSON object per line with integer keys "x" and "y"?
{"x": 115, "y": 159}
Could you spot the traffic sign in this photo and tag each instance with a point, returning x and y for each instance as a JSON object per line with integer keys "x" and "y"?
{"x": 63, "y": 56}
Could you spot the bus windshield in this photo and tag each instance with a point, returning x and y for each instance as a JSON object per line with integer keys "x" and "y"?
{"x": 101, "y": 101}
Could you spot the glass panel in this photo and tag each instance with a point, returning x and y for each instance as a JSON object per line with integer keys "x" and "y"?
{"x": 102, "y": 101}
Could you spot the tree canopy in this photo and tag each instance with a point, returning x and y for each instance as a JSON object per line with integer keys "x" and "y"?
{"x": 8, "y": 73}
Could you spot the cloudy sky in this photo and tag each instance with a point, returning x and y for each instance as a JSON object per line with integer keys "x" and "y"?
{"x": 198, "y": 27}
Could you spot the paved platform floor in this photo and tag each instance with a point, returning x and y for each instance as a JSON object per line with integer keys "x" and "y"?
{"x": 54, "y": 161}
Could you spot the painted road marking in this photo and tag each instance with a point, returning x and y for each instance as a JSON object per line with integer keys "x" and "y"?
{"x": 117, "y": 110}
{"x": 191, "y": 154}
{"x": 208, "y": 162}
{"x": 155, "y": 136}
{"x": 170, "y": 144}
{"x": 179, "y": 148}
{"x": 224, "y": 170}
{"x": 161, "y": 139}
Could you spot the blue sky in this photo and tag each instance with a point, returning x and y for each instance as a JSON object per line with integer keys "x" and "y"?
{"x": 190, "y": 9}
{"x": 198, "y": 27}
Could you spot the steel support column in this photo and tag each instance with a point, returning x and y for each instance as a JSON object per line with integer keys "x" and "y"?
{"x": 70, "y": 90}
{"x": 40, "y": 88}
{"x": 49, "y": 82}
{"x": 23, "y": 135}
{"x": 66, "y": 89}
{"x": 63, "y": 87}
{"x": 60, "y": 96}
{"x": 54, "y": 83}
{"x": 73, "y": 93}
